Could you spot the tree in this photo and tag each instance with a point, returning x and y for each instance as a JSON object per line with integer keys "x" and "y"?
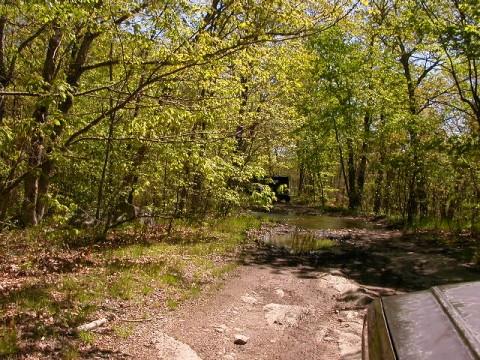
{"x": 136, "y": 60}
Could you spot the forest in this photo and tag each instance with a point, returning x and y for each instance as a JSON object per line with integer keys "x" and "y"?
{"x": 161, "y": 114}
{"x": 110, "y": 112}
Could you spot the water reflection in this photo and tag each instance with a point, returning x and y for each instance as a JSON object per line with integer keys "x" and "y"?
{"x": 299, "y": 242}
{"x": 320, "y": 222}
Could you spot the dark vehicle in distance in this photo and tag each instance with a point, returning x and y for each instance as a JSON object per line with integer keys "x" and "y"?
{"x": 442, "y": 323}
{"x": 280, "y": 186}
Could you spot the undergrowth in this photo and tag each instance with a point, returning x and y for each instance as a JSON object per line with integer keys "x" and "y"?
{"x": 134, "y": 264}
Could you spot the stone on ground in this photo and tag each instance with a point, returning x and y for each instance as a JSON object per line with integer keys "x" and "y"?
{"x": 341, "y": 284}
{"x": 172, "y": 349}
{"x": 283, "y": 315}
{"x": 240, "y": 339}
{"x": 247, "y": 299}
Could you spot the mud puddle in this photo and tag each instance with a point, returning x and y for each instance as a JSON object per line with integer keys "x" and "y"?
{"x": 299, "y": 242}
{"x": 371, "y": 254}
{"x": 322, "y": 222}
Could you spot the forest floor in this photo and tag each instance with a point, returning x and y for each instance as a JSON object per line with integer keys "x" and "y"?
{"x": 297, "y": 289}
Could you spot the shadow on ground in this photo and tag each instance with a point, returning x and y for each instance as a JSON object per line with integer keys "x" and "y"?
{"x": 382, "y": 258}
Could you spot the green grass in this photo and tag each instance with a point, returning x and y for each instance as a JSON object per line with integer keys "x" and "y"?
{"x": 236, "y": 225}
{"x": 123, "y": 331}
{"x": 86, "y": 337}
{"x": 194, "y": 291}
{"x": 34, "y": 298}
{"x": 178, "y": 268}
{"x": 8, "y": 341}
{"x": 160, "y": 265}
{"x": 321, "y": 244}
{"x": 170, "y": 279}
{"x": 171, "y": 304}
{"x": 433, "y": 224}
{"x": 70, "y": 353}
{"x": 123, "y": 287}
{"x": 222, "y": 270}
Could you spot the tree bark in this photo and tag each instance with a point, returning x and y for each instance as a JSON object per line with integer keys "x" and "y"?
{"x": 362, "y": 167}
{"x": 36, "y": 182}
{"x": 377, "y": 200}
{"x": 353, "y": 200}
{"x": 413, "y": 186}
{"x": 3, "y": 66}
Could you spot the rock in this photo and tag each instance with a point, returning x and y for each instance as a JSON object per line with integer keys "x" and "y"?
{"x": 280, "y": 293}
{"x": 349, "y": 343}
{"x": 172, "y": 349}
{"x": 249, "y": 300}
{"x": 364, "y": 300}
{"x": 320, "y": 334}
{"x": 221, "y": 328}
{"x": 283, "y": 315}
{"x": 353, "y": 315}
{"x": 341, "y": 284}
{"x": 240, "y": 339}
{"x": 336, "y": 272}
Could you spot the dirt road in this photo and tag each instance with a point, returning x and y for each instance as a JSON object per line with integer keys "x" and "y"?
{"x": 282, "y": 305}
{"x": 283, "y": 312}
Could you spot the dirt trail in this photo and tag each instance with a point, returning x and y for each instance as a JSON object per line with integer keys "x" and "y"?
{"x": 310, "y": 306}
{"x": 284, "y": 313}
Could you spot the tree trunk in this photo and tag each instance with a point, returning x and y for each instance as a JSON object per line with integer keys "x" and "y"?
{"x": 362, "y": 166}
{"x": 301, "y": 178}
{"x": 5, "y": 201}
{"x": 413, "y": 190}
{"x": 377, "y": 200}
{"x": 46, "y": 172}
{"x": 36, "y": 182}
{"x": 353, "y": 199}
{"x": 35, "y": 159}
{"x": 4, "y": 80}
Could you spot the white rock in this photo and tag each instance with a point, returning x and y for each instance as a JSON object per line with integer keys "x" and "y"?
{"x": 247, "y": 299}
{"x": 283, "y": 315}
{"x": 341, "y": 284}
{"x": 240, "y": 339}
{"x": 172, "y": 349}
{"x": 280, "y": 293}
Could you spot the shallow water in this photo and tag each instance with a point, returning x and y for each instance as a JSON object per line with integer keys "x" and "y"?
{"x": 322, "y": 222}
{"x": 373, "y": 255}
{"x": 297, "y": 242}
